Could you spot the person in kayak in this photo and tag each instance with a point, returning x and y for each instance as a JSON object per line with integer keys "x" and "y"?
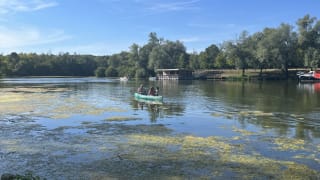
{"x": 152, "y": 91}
{"x": 157, "y": 91}
{"x": 141, "y": 89}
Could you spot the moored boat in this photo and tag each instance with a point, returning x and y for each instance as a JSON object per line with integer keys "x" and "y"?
{"x": 152, "y": 78}
{"x": 309, "y": 76}
{"x": 125, "y": 78}
{"x": 148, "y": 97}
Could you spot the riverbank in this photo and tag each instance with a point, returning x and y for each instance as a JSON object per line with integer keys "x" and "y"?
{"x": 250, "y": 74}
{"x": 216, "y": 74}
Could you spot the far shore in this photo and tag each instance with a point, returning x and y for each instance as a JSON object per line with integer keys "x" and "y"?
{"x": 217, "y": 74}
{"x": 253, "y": 74}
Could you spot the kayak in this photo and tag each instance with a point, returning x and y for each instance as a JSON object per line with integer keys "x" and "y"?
{"x": 147, "y": 97}
{"x": 146, "y": 101}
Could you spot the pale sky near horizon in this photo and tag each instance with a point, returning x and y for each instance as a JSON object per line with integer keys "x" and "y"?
{"x": 105, "y": 27}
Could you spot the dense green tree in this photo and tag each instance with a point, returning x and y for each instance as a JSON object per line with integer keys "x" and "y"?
{"x": 167, "y": 54}
{"x": 312, "y": 58}
{"x": 3, "y": 65}
{"x": 208, "y": 57}
{"x": 158, "y": 58}
{"x": 134, "y": 55}
{"x": 263, "y": 50}
{"x": 100, "y": 61}
{"x": 226, "y": 50}
{"x": 306, "y": 31}
{"x": 182, "y": 61}
{"x": 142, "y": 64}
{"x": 153, "y": 40}
{"x": 141, "y": 72}
{"x": 285, "y": 40}
{"x": 309, "y": 40}
{"x": 243, "y": 52}
{"x": 100, "y": 72}
{"x": 221, "y": 61}
{"x": 111, "y": 72}
{"x": 203, "y": 57}
{"x": 174, "y": 50}
{"x": 239, "y": 52}
{"x": 125, "y": 66}
{"x": 194, "y": 61}
{"x": 113, "y": 61}
{"x": 12, "y": 61}
{"x": 132, "y": 62}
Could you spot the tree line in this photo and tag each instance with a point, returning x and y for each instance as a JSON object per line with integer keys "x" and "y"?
{"x": 283, "y": 47}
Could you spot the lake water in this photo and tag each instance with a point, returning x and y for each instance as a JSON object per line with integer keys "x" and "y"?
{"x": 93, "y": 128}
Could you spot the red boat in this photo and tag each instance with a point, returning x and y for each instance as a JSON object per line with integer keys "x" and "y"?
{"x": 309, "y": 76}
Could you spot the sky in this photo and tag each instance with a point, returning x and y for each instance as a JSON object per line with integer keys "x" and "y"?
{"x": 106, "y": 27}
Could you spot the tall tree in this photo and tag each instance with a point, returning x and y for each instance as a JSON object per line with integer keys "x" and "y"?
{"x": 239, "y": 52}
{"x": 263, "y": 55}
{"x": 159, "y": 58}
{"x": 194, "y": 61}
{"x": 221, "y": 61}
{"x": 309, "y": 40}
{"x": 312, "y": 58}
{"x": 208, "y": 57}
{"x": 134, "y": 60}
{"x": 286, "y": 42}
{"x": 306, "y": 33}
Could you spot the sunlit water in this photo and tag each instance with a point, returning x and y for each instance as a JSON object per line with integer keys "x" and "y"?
{"x": 276, "y": 120}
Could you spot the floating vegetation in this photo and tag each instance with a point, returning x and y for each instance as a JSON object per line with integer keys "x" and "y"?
{"x": 257, "y": 166}
{"x": 78, "y": 107}
{"x": 209, "y": 154}
{"x": 114, "y": 109}
{"x": 309, "y": 157}
{"x": 45, "y": 102}
{"x": 285, "y": 144}
{"x": 11, "y": 97}
{"x": 242, "y": 131}
{"x": 236, "y": 138}
{"x": 142, "y": 151}
{"x": 122, "y": 118}
{"x": 227, "y": 115}
{"x": 255, "y": 113}
{"x": 12, "y": 103}
{"x": 217, "y": 114}
{"x": 184, "y": 142}
{"x": 34, "y": 89}
{"x": 93, "y": 148}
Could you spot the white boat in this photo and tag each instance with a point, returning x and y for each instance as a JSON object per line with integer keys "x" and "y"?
{"x": 152, "y": 78}
{"x": 125, "y": 78}
{"x": 309, "y": 76}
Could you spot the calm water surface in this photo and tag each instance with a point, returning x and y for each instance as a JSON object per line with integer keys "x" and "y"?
{"x": 276, "y": 120}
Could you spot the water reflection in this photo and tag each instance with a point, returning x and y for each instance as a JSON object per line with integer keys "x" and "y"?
{"x": 158, "y": 110}
{"x": 282, "y": 106}
{"x": 310, "y": 87}
{"x": 153, "y": 109}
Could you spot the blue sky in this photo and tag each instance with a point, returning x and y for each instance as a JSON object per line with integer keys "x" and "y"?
{"x": 105, "y": 27}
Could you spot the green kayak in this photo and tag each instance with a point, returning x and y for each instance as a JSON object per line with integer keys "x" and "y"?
{"x": 146, "y": 97}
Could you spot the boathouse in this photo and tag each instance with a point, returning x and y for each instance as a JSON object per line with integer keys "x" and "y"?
{"x": 174, "y": 74}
